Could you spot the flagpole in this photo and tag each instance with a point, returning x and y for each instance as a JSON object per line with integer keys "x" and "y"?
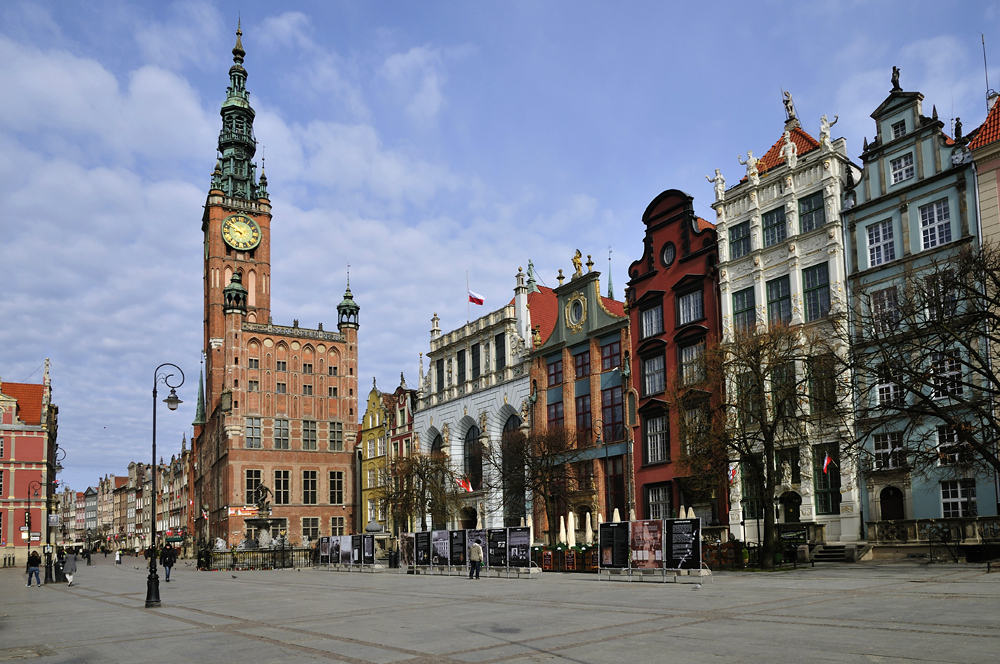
{"x": 468, "y": 309}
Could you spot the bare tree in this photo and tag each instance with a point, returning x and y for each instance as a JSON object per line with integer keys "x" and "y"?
{"x": 541, "y": 464}
{"x": 421, "y": 485}
{"x": 926, "y": 364}
{"x": 762, "y": 396}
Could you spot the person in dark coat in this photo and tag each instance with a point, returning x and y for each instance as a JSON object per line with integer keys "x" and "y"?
{"x": 167, "y": 558}
{"x": 69, "y": 566}
{"x": 34, "y": 562}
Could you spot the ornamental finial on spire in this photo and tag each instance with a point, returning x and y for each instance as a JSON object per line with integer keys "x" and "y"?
{"x": 238, "y": 51}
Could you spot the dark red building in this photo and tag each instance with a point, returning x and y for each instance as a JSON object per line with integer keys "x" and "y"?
{"x": 674, "y": 316}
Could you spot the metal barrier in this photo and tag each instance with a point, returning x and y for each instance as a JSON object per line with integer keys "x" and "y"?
{"x": 9, "y": 560}
{"x": 263, "y": 559}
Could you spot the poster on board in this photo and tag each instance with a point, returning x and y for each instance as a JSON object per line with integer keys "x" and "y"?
{"x": 458, "y": 553}
{"x": 613, "y": 540}
{"x": 406, "y": 544}
{"x": 324, "y": 550}
{"x": 355, "y": 549}
{"x": 682, "y": 543}
{"x": 345, "y": 549}
{"x": 422, "y": 542}
{"x": 439, "y": 547}
{"x": 647, "y": 544}
{"x": 497, "y": 551}
{"x": 519, "y": 547}
{"x": 335, "y": 550}
{"x": 476, "y": 536}
{"x": 368, "y": 546}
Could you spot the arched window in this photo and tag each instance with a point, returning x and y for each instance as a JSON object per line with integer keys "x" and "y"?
{"x": 474, "y": 458}
{"x": 437, "y": 446}
{"x": 512, "y": 445}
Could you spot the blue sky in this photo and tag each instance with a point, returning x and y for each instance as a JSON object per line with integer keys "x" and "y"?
{"x": 413, "y": 141}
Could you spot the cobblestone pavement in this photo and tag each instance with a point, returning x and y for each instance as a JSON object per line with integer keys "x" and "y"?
{"x": 837, "y": 613}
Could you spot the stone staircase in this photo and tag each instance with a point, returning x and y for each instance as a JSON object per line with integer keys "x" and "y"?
{"x": 830, "y": 553}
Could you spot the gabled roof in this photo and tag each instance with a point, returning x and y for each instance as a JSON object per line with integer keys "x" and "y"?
{"x": 773, "y": 157}
{"x": 704, "y": 224}
{"x": 120, "y": 482}
{"x": 544, "y": 309}
{"x": 29, "y": 398}
{"x": 614, "y": 306}
{"x": 989, "y": 131}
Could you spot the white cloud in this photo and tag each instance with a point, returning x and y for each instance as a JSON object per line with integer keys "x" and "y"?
{"x": 418, "y": 77}
{"x": 189, "y": 35}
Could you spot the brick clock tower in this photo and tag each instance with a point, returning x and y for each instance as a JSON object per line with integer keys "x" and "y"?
{"x": 277, "y": 405}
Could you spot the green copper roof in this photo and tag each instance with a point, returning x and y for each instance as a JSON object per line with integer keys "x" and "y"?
{"x": 236, "y": 175}
{"x": 199, "y": 413}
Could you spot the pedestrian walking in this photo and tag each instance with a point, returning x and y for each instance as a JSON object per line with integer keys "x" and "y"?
{"x": 34, "y": 562}
{"x": 167, "y": 558}
{"x": 475, "y": 559}
{"x": 69, "y": 566}
{"x": 118, "y": 557}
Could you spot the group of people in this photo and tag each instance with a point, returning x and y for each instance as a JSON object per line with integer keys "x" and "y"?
{"x": 66, "y": 561}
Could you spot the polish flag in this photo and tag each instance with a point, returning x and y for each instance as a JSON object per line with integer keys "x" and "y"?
{"x": 826, "y": 463}
{"x": 465, "y": 484}
{"x": 475, "y": 297}
{"x": 204, "y": 515}
{"x": 732, "y": 474}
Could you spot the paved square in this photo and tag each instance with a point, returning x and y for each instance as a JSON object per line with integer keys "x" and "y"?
{"x": 842, "y": 613}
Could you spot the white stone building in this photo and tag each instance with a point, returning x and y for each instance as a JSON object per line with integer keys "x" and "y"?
{"x": 476, "y": 387}
{"x": 781, "y": 253}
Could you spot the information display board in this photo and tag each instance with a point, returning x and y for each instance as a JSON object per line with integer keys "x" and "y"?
{"x": 647, "y": 544}
{"x": 519, "y": 547}
{"x": 355, "y": 549}
{"x": 423, "y": 547}
{"x": 458, "y": 552}
{"x": 324, "y": 550}
{"x": 368, "y": 545}
{"x": 406, "y": 544}
{"x": 497, "y": 550}
{"x": 439, "y": 547}
{"x": 682, "y": 543}
{"x": 570, "y": 560}
{"x": 345, "y": 549}
{"x": 613, "y": 539}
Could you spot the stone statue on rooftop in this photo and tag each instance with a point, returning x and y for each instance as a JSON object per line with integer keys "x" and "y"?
{"x": 895, "y": 79}
{"x": 751, "y": 164}
{"x": 824, "y": 130}
{"x": 578, "y": 264}
{"x": 789, "y": 105}
{"x": 720, "y": 185}
{"x": 790, "y": 151}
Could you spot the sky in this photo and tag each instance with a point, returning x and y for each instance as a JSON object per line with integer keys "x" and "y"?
{"x": 416, "y": 143}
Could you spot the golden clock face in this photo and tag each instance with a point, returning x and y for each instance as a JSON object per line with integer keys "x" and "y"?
{"x": 240, "y": 232}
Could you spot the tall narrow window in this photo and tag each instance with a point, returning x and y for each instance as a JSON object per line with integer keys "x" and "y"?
{"x": 475, "y": 361}
{"x": 690, "y": 308}
{"x": 611, "y": 356}
{"x": 461, "y": 367}
{"x": 613, "y": 413}
{"x": 889, "y": 452}
{"x": 652, "y": 321}
{"x": 774, "y": 226}
{"x": 822, "y": 384}
{"x": 310, "y": 528}
{"x": 658, "y": 501}
{"x": 336, "y": 436}
{"x": 555, "y": 415}
{"x": 826, "y": 478}
{"x": 252, "y": 482}
{"x": 653, "y": 375}
{"x": 309, "y": 489}
{"x": 584, "y": 420}
{"x": 935, "y": 224}
{"x": 500, "y": 351}
{"x": 739, "y": 240}
{"x": 881, "y": 248}
{"x": 281, "y": 435}
{"x": 887, "y": 392}
{"x": 779, "y": 301}
{"x": 898, "y": 129}
{"x": 439, "y": 374}
{"x": 958, "y": 499}
{"x": 744, "y": 310}
{"x": 812, "y": 214}
{"x": 474, "y": 458}
{"x": 253, "y": 432}
{"x": 816, "y": 282}
{"x": 336, "y": 487}
{"x": 656, "y": 438}
{"x": 336, "y": 526}
{"x": 946, "y": 375}
{"x": 308, "y": 434}
{"x": 885, "y": 311}
{"x": 692, "y": 366}
{"x": 581, "y": 364}
{"x": 555, "y": 372}
{"x": 282, "y": 487}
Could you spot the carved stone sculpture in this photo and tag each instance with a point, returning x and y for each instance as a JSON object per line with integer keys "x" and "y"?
{"x": 720, "y": 185}
{"x": 751, "y": 164}
{"x": 790, "y": 151}
{"x": 824, "y": 130}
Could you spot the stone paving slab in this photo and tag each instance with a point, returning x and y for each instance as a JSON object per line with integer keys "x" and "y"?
{"x": 836, "y": 613}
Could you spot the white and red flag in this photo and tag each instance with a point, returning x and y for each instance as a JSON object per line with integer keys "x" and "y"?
{"x": 465, "y": 484}
{"x": 827, "y": 462}
{"x": 732, "y": 474}
{"x": 475, "y": 297}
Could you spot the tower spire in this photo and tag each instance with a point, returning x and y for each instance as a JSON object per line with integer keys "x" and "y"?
{"x": 611, "y": 288}
{"x": 236, "y": 140}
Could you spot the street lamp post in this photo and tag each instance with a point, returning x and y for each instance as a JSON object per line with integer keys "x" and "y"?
{"x": 33, "y": 488}
{"x": 153, "y": 581}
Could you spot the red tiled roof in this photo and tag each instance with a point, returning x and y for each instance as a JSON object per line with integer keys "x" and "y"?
{"x": 544, "y": 308}
{"x": 120, "y": 482}
{"x": 989, "y": 131}
{"x": 704, "y": 224}
{"x": 774, "y": 158}
{"x": 614, "y": 306}
{"x": 29, "y": 400}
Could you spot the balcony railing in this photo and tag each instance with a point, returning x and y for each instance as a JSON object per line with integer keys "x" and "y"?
{"x": 965, "y": 531}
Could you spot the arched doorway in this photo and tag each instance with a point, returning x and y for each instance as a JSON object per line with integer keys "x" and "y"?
{"x": 467, "y": 518}
{"x": 891, "y": 504}
{"x": 790, "y": 503}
